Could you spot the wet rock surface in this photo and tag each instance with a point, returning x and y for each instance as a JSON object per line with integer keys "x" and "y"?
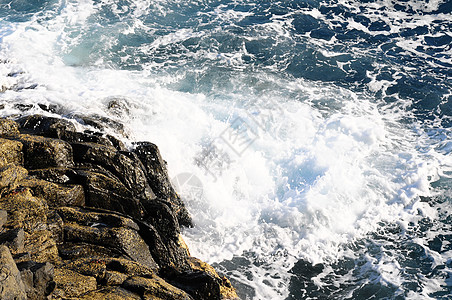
{"x": 82, "y": 217}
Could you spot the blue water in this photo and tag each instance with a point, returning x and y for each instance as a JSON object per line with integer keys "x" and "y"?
{"x": 342, "y": 190}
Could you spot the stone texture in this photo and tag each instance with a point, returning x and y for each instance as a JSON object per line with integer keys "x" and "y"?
{"x": 37, "y": 278}
{"x": 41, "y": 152}
{"x": 72, "y": 284}
{"x": 11, "y": 285}
{"x": 157, "y": 176}
{"x": 8, "y": 128}
{"x": 10, "y": 152}
{"x": 56, "y": 194}
{"x": 109, "y": 193}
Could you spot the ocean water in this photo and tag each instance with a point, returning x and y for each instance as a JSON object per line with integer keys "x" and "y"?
{"x": 311, "y": 140}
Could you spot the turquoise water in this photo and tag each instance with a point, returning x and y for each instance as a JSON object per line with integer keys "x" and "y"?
{"x": 317, "y": 133}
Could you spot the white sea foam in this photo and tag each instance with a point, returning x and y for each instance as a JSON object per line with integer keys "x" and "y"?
{"x": 322, "y": 171}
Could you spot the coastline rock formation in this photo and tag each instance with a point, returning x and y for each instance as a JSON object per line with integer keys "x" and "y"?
{"x": 82, "y": 217}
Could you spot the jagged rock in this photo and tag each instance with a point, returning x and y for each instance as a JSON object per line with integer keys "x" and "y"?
{"x": 56, "y": 194}
{"x": 55, "y": 175}
{"x": 108, "y": 193}
{"x": 41, "y": 152}
{"x": 63, "y": 129}
{"x": 162, "y": 217}
{"x": 37, "y": 278}
{"x": 11, "y": 285}
{"x": 14, "y": 239}
{"x": 30, "y": 213}
{"x": 154, "y": 288}
{"x": 157, "y": 176}
{"x": 72, "y": 284}
{"x": 118, "y": 234}
{"x": 55, "y": 226}
{"x": 8, "y": 128}
{"x": 169, "y": 255}
{"x": 46, "y": 126}
{"x": 124, "y": 165}
{"x": 125, "y": 242}
{"x": 225, "y": 286}
{"x": 10, "y": 152}
{"x": 10, "y": 176}
{"x": 25, "y": 211}
{"x": 53, "y": 108}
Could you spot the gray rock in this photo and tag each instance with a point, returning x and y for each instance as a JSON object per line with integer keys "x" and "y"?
{"x": 14, "y": 239}
{"x": 11, "y": 284}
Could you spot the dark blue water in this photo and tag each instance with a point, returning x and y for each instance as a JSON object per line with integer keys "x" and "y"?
{"x": 374, "y": 73}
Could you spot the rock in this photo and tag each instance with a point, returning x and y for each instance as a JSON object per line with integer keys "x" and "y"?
{"x": 109, "y": 193}
{"x": 41, "y": 247}
{"x": 157, "y": 176}
{"x": 125, "y": 166}
{"x": 200, "y": 285}
{"x": 37, "y": 278}
{"x": 72, "y": 284}
{"x": 30, "y": 213}
{"x": 154, "y": 288}
{"x": 25, "y": 211}
{"x": 3, "y": 218}
{"x": 125, "y": 242}
{"x": 104, "y": 123}
{"x": 11, "y": 285}
{"x": 168, "y": 254}
{"x": 111, "y": 293}
{"x": 60, "y": 129}
{"x": 159, "y": 214}
{"x": 118, "y": 107}
{"x": 10, "y": 152}
{"x": 8, "y": 128}
{"x": 98, "y": 267}
{"x": 41, "y": 152}
{"x": 55, "y": 175}
{"x": 46, "y": 126}
{"x": 53, "y": 108}
{"x": 14, "y": 239}
{"x": 56, "y": 194}
{"x": 225, "y": 286}
{"x": 10, "y": 176}
{"x": 116, "y": 233}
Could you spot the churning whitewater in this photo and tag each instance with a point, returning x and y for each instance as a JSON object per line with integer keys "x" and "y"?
{"x": 311, "y": 140}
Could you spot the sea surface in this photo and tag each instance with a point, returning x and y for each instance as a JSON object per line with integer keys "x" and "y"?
{"x": 311, "y": 140}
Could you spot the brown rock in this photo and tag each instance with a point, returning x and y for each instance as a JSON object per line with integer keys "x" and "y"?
{"x": 124, "y": 165}
{"x": 10, "y": 152}
{"x": 56, "y": 194}
{"x": 10, "y": 176}
{"x": 154, "y": 288}
{"x": 72, "y": 284}
{"x": 108, "y": 193}
{"x": 8, "y": 128}
{"x": 111, "y": 293}
{"x": 41, "y": 152}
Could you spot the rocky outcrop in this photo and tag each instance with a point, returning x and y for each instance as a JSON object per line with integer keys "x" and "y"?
{"x": 82, "y": 217}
